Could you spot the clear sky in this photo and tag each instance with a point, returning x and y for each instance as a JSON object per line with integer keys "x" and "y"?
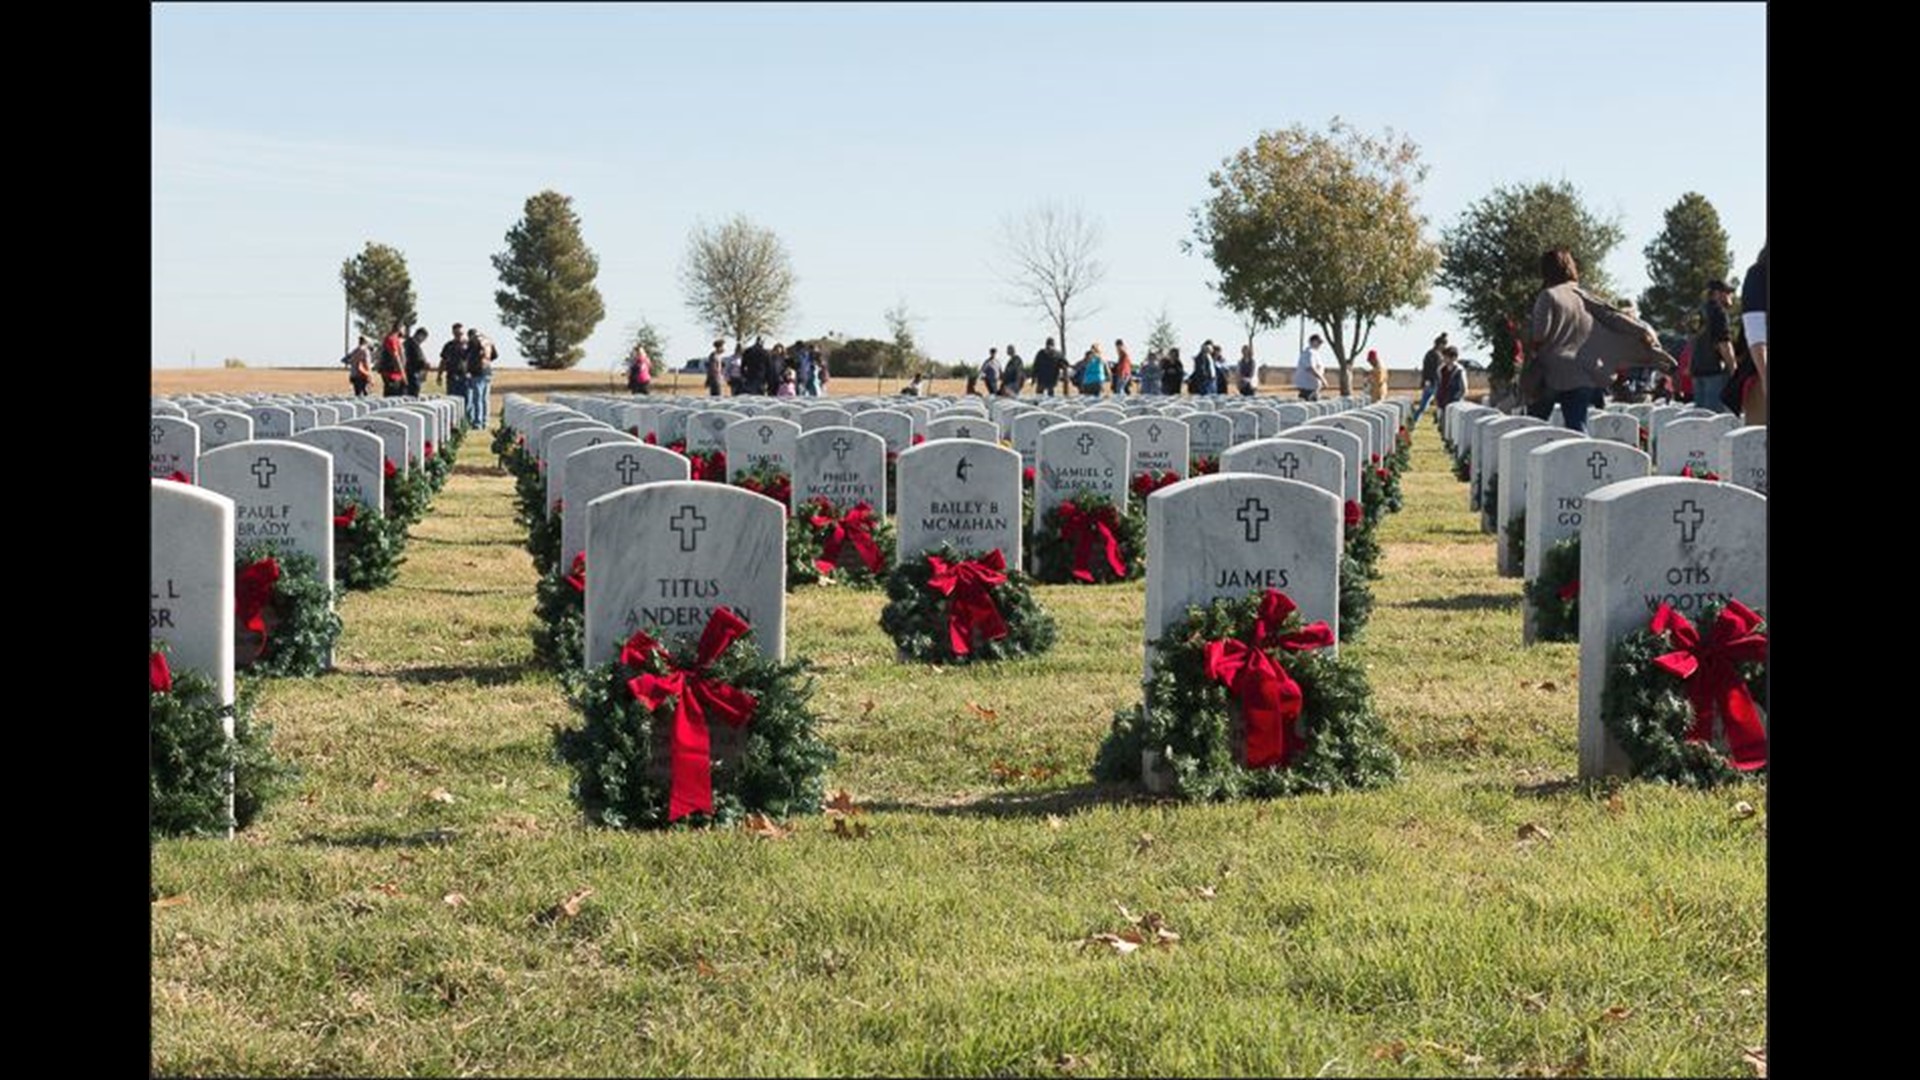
{"x": 884, "y": 144}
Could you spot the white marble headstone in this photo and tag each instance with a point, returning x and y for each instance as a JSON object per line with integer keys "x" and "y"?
{"x": 959, "y": 491}
{"x": 602, "y": 469}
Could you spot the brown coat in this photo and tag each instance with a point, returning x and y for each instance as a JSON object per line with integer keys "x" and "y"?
{"x": 1580, "y": 340}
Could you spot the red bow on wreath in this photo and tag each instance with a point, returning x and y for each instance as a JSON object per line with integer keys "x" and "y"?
{"x": 651, "y": 439}
{"x": 345, "y": 520}
{"x": 390, "y": 469}
{"x": 856, "y": 526}
{"x": 1713, "y": 682}
{"x": 1269, "y": 699}
{"x": 695, "y": 697}
{"x": 429, "y": 448}
{"x": 252, "y": 593}
{"x": 179, "y": 477}
{"x": 1081, "y": 528}
{"x": 159, "y": 675}
{"x": 1149, "y": 482}
{"x": 969, "y": 585}
{"x": 577, "y": 577}
{"x": 1354, "y": 513}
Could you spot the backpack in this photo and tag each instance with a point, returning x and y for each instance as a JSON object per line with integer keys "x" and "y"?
{"x": 480, "y": 359}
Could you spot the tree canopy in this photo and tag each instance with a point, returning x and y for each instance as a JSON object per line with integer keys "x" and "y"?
{"x": 547, "y": 296}
{"x": 1320, "y": 225}
{"x": 1491, "y": 258}
{"x": 1690, "y": 251}
{"x": 1052, "y": 257}
{"x": 737, "y": 279}
{"x": 379, "y": 289}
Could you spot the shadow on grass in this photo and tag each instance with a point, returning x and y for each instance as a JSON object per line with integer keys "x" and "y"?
{"x": 1552, "y": 787}
{"x": 1018, "y": 804}
{"x": 507, "y": 540}
{"x": 1466, "y": 602}
{"x": 373, "y": 840}
{"x": 449, "y": 590}
{"x": 507, "y": 674}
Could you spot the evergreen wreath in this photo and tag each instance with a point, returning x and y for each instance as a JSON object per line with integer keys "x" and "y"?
{"x": 863, "y": 545}
{"x": 922, "y": 590}
{"x": 1490, "y": 502}
{"x": 366, "y": 554}
{"x": 1203, "y": 465}
{"x": 1085, "y": 538}
{"x": 560, "y": 618}
{"x": 1148, "y": 482}
{"x": 543, "y": 538}
{"x": 1391, "y": 500}
{"x": 1555, "y": 592}
{"x": 1462, "y": 468}
{"x": 1320, "y": 735}
{"x": 769, "y": 480}
{"x": 1516, "y": 538}
{"x": 1356, "y": 598}
{"x": 639, "y": 757}
{"x": 504, "y": 441}
{"x": 1362, "y": 540}
{"x": 189, "y": 756}
{"x": 709, "y": 465}
{"x": 1689, "y": 705}
{"x": 282, "y": 624}
{"x": 1402, "y": 457}
{"x": 408, "y": 497}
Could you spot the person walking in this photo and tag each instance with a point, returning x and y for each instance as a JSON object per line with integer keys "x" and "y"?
{"x": 1309, "y": 373}
{"x": 1122, "y": 368}
{"x": 1244, "y": 372}
{"x": 392, "y": 365}
{"x": 1449, "y": 384}
{"x": 453, "y": 363}
{"x": 1173, "y": 374}
{"x": 1376, "y": 376}
{"x": 417, "y": 366}
{"x": 1015, "y": 375}
{"x": 480, "y": 357}
{"x": 360, "y": 367}
{"x": 1753, "y": 324}
{"x": 990, "y": 371}
{"x": 1577, "y": 340}
{"x": 1429, "y": 376}
{"x": 1047, "y": 369}
{"x": 1093, "y": 371}
{"x": 639, "y": 371}
{"x": 1712, "y": 362}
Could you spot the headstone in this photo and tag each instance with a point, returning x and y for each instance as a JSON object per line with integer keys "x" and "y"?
{"x": 1291, "y": 458}
{"x": 1158, "y": 445}
{"x": 1026, "y": 434}
{"x": 820, "y": 416}
{"x": 282, "y": 495}
{"x": 173, "y": 448}
{"x": 1485, "y": 464}
{"x": 963, "y": 427}
{"x": 959, "y": 491}
{"x": 605, "y": 468}
{"x": 1559, "y": 476}
{"x": 416, "y": 427}
{"x": 707, "y": 430}
{"x": 1076, "y": 457}
{"x": 1692, "y": 443}
{"x": 1292, "y": 414}
{"x": 1104, "y": 414}
{"x": 637, "y": 420}
{"x": 221, "y": 428}
{"x": 304, "y": 417}
{"x": 1617, "y": 427}
{"x": 358, "y": 463}
{"x": 190, "y": 584}
{"x": 757, "y": 442}
{"x": 1357, "y": 425}
{"x": 843, "y": 465}
{"x": 163, "y": 407}
{"x": 561, "y": 446}
{"x": 1743, "y": 458}
{"x": 1208, "y": 435}
{"x": 1510, "y": 455}
{"x": 1346, "y": 443}
{"x": 393, "y": 440}
{"x": 271, "y": 421}
{"x": 661, "y": 557}
{"x": 1245, "y": 424}
{"x": 1649, "y": 541}
{"x": 893, "y": 427}
{"x": 1238, "y": 533}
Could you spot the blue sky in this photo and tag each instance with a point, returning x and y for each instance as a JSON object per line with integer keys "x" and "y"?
{"x": 884, "y": 144}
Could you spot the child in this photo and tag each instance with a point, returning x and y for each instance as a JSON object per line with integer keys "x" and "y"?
{"x": 788, "y": 384}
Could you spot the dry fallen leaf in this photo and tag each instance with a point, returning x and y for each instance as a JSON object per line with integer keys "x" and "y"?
{"x": 1204, "y": 892}
{"x": 1056, "y": 822}
{"x": 1142, "y": 844}
{"x": 1533, "y": 831}
{"x": 1122, "y": 944}
{"x": 170, "y": 901}
{"x": 379, "y": 785}
{"x": 989, "y": 715}
{"x": 1756, "y": 1056}
{"x": 765, "y": 827}
{"x": 1069, "y": 1062}
{"x": 1534, "y": 1002}
{"x": 1616, "y": 804}
{"x": 565, "y": 909}
{"x": 1743, "y": 809}
{"x": 1617, "y": 1013}
{"x": 866, "y": 708}
{"x": 841, "y": 802}
{"x": 1547, "y": 686}
{"x": 1389, "y": 1051}
{"x": 454, "y": 900}
{"x": 441, "y": 795}
{"x": 386, "y": 888}
{"x": 846, "y": 830}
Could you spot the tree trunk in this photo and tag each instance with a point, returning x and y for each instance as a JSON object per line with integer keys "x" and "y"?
{"x": 1346, "y": 377}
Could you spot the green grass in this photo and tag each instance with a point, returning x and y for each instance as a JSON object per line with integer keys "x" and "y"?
{"x": 1408, "y": 931}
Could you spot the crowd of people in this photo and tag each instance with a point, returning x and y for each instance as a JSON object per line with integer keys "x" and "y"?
{"x": 1161, "y": 373}
{"x": 797, "y": 370}
{"x": 400, "y": 363}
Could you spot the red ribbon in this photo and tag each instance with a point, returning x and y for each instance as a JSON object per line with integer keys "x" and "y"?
{"x": 1026, "y": 476}
{"x": 1709, "y": 474}
{"x": 1354, "y": 513}
{"x": 969, "y": 585}
{"x": 179, "y": 477}
{"x": 1569, "y": 591}
{"x": 651, "y": 438}
{"x": 159, "y": 675}
{"x": 1380, "y": 474}
{"x": 1205, "y": 465}
{"x": 429, "y": 448}
{"x": 1375, "y": 457}
{"x": 391, "y": 470}
{"x": 577, "y": 577}
{"x": 917, "y": 440}
{"x": 1270, "y": 701}
{"x": 1714, "y": 685}
{"x": 252, "y": 593}
{"x": 1081, "y": 528}
{"x": 856, "y": 526}
{"x": 695, "y": 697}
{"x": 1149, "y": 482}
{"x": 342, "y": 521}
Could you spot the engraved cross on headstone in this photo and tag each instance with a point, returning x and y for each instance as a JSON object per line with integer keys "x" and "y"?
{"x": 1153, "y": 433}
{"x": 1689, "y": 517}
{"x": 263, "y": 471}
{"x": 1253, "y": 514}
{"x": 766, "y": 436}
{"x": 840, "y": 447}
{"x": 689, "y": 524}
{"x": 628, "y": 466}
{"x": 1597, "y": 462}
{"x": 156, "y": 434}
{"x": 1085, "y": 442}
{"x": 1289, "y": 464}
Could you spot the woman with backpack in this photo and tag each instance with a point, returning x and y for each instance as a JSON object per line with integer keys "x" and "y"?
{"x": 480, "y": 357}
{"x": 1093, "y": 371}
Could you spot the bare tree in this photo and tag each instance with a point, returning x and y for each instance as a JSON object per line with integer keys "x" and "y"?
{"x": 737, "y": 278}
{"x": 1052, "y": 262}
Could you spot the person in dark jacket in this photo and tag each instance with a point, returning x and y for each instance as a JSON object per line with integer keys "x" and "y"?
{"x": 1429, "y": 375}
{"x": 1450, "y": 384}
{"x": 1173, "y": 374}
{"x": 1047, "y": 365}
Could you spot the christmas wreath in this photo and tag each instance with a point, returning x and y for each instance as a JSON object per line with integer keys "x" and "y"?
{"x": 366, "y": 553}
{"x": 1203, "y": 465}
{"x": 1086, "y": 539}
{"x": 407, "y": 496}
{"x": 282, "y": 623}
{"x": 1356, "y": 597}
{"x": 946, "y": 605}
{"x": 1402, "y": 458}
{"x": 1555, "y": 592}
{"x": 1243, "y": 703}
{"x": 504, "y": 442}
{"x": 560, "y": 623}
{"x": 708, "y": 465}
{"x": 190, "y": 756}
{"x": 768, "y": 480}
{"x": 543, "y": 537}
{"x": 705, "y": 738}
{"x": 1689, "y": 705}
{"x": 1381, "y": 485}
{"x": 1691, "y": 473}
{"x": 1363, "y": 542}
{"x": 438, "y": 467}
{"x": 1490, "y": 502}
{"x": 1516, "y": 538}
{"x": 1462, "y": 468}
{"x": 1148, "y": 482}
{"x": 824, "y": 544}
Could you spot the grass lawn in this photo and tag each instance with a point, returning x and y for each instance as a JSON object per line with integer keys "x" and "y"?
{"x": 1485, "y": 916}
